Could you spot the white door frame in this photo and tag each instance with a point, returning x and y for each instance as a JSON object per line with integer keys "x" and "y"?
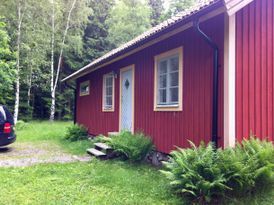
{"x": 122, "y": 70}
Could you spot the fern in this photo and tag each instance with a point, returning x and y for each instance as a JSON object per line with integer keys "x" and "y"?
{"x": 134, "y": 146}
{"x": 204, "y": 173}
{"x": 194, "y": 173}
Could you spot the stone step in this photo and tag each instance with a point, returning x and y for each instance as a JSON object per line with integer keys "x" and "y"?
{"x": 102, "y": 146}
{"x": 95, "y": 152}
{"x": 113, "y": 133}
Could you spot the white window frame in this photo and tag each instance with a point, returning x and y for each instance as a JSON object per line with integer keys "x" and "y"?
{"x": 85, "y": 83}
{"x": 105, "y": 107}
{"x": 169, "y": 106}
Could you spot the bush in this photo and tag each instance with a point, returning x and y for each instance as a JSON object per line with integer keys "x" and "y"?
{"x": 20, "y": 125}
{"x": 134, "y": 146}
{"x": 195, "y": 174}
{"x": 67, "y": 117}
{"x": 76, "y": 133}
{"x": 203, "y": 173}
{"x": 247, "y": 165}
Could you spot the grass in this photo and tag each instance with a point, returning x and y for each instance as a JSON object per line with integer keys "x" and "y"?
{"x": 38, "y": 131}
{"x": 95, "y": 182}
{"x": 84, "y": 183}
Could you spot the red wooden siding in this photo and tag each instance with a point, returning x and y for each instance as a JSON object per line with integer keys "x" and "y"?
{"x": 254, "y": 70}
{"x": 166, "y": 128}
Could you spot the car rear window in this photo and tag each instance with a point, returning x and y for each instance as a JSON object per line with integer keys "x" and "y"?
{"x": 5, "y": 115}
{"x": 2, "y": 115}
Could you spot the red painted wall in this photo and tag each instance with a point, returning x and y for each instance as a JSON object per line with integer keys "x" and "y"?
{"x": 254, "y": 70}
{"x": 166, "y": 128}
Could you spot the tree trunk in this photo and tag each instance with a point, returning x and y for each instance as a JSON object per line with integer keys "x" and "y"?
{"x": 17, "y": 87}
{"x": 52, "y": 107}
{"x": 54, "y": 85}
{"x": 29, "y": 86}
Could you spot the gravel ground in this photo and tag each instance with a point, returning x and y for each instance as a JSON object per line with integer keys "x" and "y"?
{"x": 27, "y": 154}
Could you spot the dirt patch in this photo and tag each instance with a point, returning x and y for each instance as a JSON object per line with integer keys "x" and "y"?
{"x": 27, "y": 154}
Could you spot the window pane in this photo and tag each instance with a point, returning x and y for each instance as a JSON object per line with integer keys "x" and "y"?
{"x": 162, "y": 67}
{"x": 109, "y": 81}
{"x": 109, "y": 91}
{"x": 109, "y": 101}
{"x": 173, "y": 94}
{"x": 163, "y": 81}
{"x": 84, "y": 88}
{"x": 162, "y": 96}
{"x": 174, "y": 63}
{"x": 174, "y": 79}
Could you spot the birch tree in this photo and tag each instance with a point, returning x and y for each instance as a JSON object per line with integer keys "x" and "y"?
{"x": 20, "y": 16}
{"x": 55, "y": 76}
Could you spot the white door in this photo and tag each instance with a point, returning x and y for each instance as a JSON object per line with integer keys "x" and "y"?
{"x": 127, "y": 99}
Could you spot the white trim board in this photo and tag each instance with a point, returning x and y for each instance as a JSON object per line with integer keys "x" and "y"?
{"x": 233, "y": 6}
{"x": 230, "y": 81}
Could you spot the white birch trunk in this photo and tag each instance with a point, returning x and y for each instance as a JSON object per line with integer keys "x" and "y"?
{"x": 29, "y": 85}
{"x": 17, "y": 87}
{"x": 54, "y": 85}
{"x": 52, "y": 107}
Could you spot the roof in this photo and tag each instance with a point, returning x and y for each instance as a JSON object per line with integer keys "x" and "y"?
{"x": 203, "y": 4}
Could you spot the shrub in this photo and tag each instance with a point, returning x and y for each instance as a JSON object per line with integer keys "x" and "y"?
{"x": 195, "y": 174}
{"x": 203, "y": 173}
{"x": 134, "y": 146}
{"x": 76, "y": 132}
{"x": 248, "y": 164}
{"x": 20, "y": 125}
{"x": 100, "y": 138}
{"x": 67, "y": 117}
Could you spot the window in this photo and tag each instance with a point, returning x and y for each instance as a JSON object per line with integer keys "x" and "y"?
{"x": 168, "y": 81}
{"x": 84, "y": 88}
{"x": 108, "y": 92}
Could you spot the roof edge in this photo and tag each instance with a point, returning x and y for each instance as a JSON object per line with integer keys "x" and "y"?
{"x": 233, "y": 6}
{"x": 147, "y": 37}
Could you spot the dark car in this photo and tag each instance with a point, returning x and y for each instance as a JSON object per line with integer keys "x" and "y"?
{"x": 7, "y": 134}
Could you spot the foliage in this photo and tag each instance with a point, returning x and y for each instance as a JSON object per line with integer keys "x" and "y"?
{"x": 21, "y": 125}
{"x": 194, "y": 173}
{"x": 76, "y": 133}
{"x": 95, "y": 38}
{"x": 157, "y": 11}
{"x": 203, "y": 173}
{"x": 7, "y": 65}
{"x": 127, "y": 19}
{"x": 134, "y": 146}
{"x": 248, "y": 165}
{"x": 177, "y": 6}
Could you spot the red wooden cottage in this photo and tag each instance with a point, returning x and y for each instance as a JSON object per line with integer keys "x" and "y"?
{"x": 205, "y": 74}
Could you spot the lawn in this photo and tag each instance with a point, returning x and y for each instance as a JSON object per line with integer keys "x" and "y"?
{"x": 94, "y": 182}
{"x": 84, "y": 183}
{"x": 51, "y": 132}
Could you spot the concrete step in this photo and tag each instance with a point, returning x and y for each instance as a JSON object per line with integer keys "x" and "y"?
{"x": 96, "y": 153}
{"x": 102, "y": 146}
{"x": 113, "y": 133}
